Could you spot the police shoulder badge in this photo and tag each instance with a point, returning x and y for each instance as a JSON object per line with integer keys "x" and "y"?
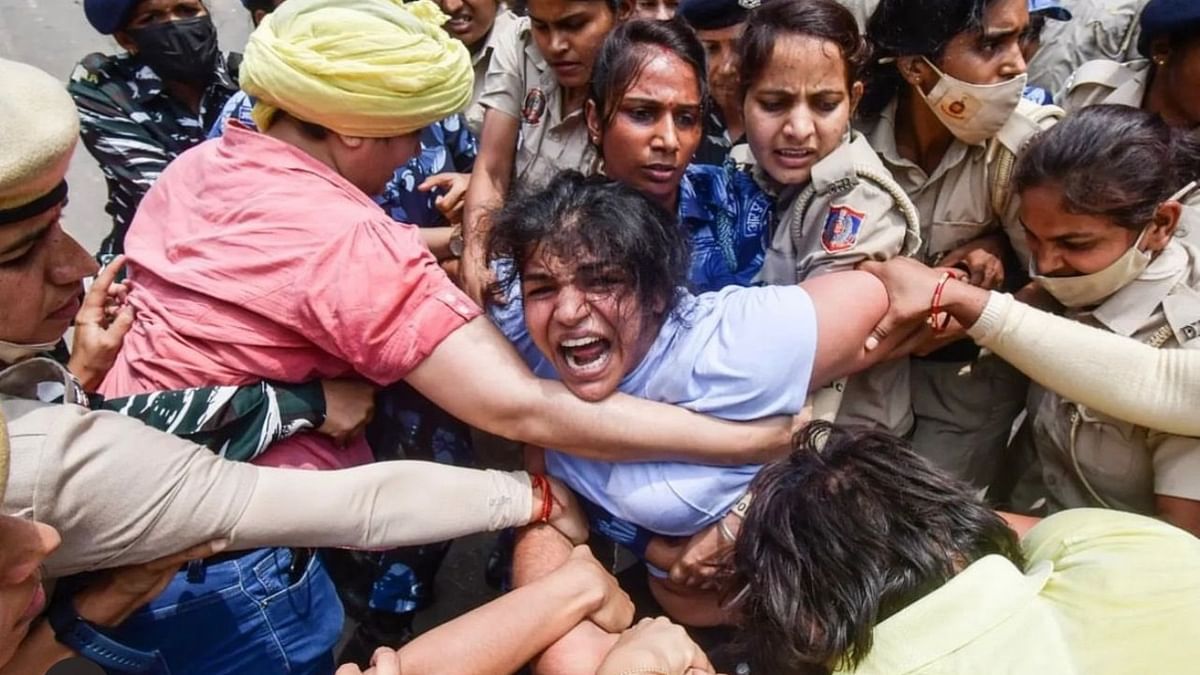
{"x": 841, "y": 229}
{"x": 534, "y": 107}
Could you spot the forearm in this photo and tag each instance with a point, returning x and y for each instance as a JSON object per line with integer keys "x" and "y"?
{"x": 506, "y": 633}
{"x": 539, "y": 550}
{"x": 382, "y": 505}
{"x": 1156, "y": 388}
{"x": 38, "y": 653}
{"x": 489, "y": 183}
{"x": 513, "y": 403}
{"x": 438, "y": 241}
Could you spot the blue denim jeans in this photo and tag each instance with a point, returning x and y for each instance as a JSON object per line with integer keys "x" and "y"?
{"x": 243, "y": 616}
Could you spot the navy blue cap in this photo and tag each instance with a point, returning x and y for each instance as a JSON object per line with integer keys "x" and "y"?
{"x": 715, "y": 14}
{"x": 1051, "y": 8}
{"x": 1167, "y": 17}
{"x": 108, "y": 16}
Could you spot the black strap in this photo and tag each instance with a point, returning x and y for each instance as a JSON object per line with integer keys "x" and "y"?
{"x": 36, "y": 207}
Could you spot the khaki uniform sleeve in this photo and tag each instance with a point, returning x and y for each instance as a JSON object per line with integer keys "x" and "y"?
{"x": 1176, "y": 465}
{"x": 119, "y": 492}
{"x": 879, "y": 236}
{"x": 504, "y": 86}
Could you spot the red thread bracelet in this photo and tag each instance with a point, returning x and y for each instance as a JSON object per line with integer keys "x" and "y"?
{"x": 939, "y": 319}
{"x": 542, "y": 485}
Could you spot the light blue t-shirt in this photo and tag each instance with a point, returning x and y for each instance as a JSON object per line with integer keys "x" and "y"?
{"x": 739, "y": 354}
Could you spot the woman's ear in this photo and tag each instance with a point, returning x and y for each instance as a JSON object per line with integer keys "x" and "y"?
{"x": 916, "y": 71}
{"x": 856, "y": 93}
{"x": 624, "y": 10}
{"x": 592, "y": 117}
{"x": 1162, "y": 228}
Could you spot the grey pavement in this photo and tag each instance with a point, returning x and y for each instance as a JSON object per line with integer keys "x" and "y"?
{"x": 53, "y": 35}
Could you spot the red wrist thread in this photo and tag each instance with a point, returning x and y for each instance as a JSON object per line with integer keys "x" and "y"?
{"x": 938, "y": 318}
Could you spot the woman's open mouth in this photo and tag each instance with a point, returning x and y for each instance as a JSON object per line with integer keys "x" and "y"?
{"x": 586, "y": 355}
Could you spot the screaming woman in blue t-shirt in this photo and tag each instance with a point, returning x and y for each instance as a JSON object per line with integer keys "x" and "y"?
{"x": 594, "y": 278}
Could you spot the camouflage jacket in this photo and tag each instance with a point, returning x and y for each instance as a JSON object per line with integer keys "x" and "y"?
{"x": 134, "y": 128}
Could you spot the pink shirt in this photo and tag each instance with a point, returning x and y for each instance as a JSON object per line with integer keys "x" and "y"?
{"x": 252, "y": 260}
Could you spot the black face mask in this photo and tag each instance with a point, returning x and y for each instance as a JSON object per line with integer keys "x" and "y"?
{"x": 179, "y": 51}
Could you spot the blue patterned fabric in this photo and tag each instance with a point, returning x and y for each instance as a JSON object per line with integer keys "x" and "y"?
{"x": 447, "y": 146}
{"x": 729, "y": 219}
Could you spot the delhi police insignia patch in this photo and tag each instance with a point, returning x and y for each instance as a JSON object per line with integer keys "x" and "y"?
{"x": 534, "y": 107}
{"x": 841, "y": 229}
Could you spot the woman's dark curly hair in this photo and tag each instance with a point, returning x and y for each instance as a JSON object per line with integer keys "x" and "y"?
{"x": 614, "y": 225}
{"x": 850, "y": 529}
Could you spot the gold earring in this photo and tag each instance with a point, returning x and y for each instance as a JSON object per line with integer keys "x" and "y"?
{"x": 1160, "y": 61}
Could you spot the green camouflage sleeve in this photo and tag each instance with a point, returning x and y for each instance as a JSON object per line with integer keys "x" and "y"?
{"x": 237, "y": 423}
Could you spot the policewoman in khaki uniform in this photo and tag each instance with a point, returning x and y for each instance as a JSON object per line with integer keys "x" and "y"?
{"x": 1097, "y": 30}
{"x": 945, "y": 113}
{"x": 837, "y": 204}
{"x": 534, "y": 126}
{"x": 1102, "y": 218}
{"x": 1165, "y": 80}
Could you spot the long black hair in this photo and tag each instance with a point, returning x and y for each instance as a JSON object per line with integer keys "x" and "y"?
{"x": 615, "y": 225}
{"x": 1113, "y": 161}
{"x": 850, "y": 529}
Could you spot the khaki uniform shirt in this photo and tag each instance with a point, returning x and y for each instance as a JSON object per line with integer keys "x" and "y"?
{"x": 1099, "y": 82}
{"x": 955, "y": 200}
{"x": 1098, "y": 29}
{"x": 506, "y": 22}
{"x": 521, "y": 84}
{"x": 1124, "y": 464}
{"x": 844, "y": 216}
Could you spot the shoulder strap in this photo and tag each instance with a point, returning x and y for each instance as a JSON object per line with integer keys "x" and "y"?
{"x": 912, "y": 219}
{"x": 1002, "y": 151}
{"x": 1100, "y": 71}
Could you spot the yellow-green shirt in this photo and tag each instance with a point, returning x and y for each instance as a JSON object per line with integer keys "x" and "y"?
{"x": 1104, "y": 593}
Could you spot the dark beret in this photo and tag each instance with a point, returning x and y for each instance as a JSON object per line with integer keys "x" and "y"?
{"x": 715, "y": 14}
{"x": 1167, "y": 17}
{"x": 108, "y": 16}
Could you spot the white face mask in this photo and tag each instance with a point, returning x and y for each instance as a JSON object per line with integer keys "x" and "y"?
{"x": 12, "y": 352}
{"x": 1086, "y": 290}
{"x": 974, "y": 113}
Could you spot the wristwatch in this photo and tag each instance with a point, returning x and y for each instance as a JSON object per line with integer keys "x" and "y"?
{"x": 457, "y": 244}
{"x": 80, "y": 635}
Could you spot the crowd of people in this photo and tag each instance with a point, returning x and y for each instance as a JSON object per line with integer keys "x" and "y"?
{"x": 831, "y": 336}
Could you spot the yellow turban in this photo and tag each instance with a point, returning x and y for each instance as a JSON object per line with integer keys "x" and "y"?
{"x": 368, "y": 68}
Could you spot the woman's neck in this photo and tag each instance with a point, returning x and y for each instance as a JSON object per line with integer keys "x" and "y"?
{"x": 921, "y": 137}
{"x": 734, "y": 123}
{"x": 572, "y": 99}
{"x": 1161, "y": 100}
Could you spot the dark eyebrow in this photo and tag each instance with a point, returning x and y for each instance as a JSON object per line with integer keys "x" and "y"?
{"x": 1000, "y": 33}
{"x": 536, "y": 276}
{"x": 30, "y": 238}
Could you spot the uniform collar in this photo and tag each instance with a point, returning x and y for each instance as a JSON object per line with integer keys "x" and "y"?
{"x": 146, "y": 84}
{"x": 989, "y": 592}
{"x": 503, "y": 23}
{"x": 1132, "y": 91}
{"x": 883, "y": 139}
{"x": 1128, "y": 310}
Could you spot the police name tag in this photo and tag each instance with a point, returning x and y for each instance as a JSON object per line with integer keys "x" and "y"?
{"x": 1183, "y": 315}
